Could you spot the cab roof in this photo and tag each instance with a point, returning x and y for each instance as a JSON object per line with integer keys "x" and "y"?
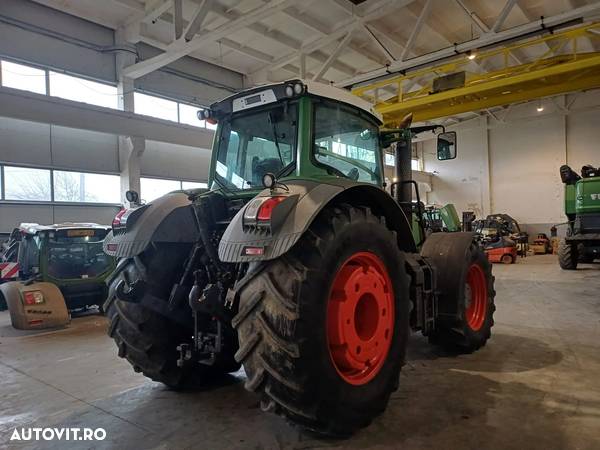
{"x": 311, "y": 87}
{"x": 33, "y": 228}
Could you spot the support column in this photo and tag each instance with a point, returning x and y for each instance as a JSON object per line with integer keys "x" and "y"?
{"x": 131, "y": 148}
{"x": 486, "y": 180}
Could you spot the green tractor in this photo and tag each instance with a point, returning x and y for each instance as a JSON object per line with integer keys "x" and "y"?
{"x": 441, "y": 218}
{"x": 582, "y": 208}
{"x": 48, "y": 270}
{"x": 296, "y": 262}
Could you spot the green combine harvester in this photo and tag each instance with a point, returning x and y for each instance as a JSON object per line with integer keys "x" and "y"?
{"x": 296, "y": 262}
{"x": 582, "y": 207}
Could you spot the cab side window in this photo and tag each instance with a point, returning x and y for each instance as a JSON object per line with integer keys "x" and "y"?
{"x": 346, "y": 142}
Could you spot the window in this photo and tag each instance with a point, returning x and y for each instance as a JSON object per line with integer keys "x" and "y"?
{"x": 21, "y": 183}
{"x": 189, "y": 115}
{"x": 71, "y": 257}
{"x": 152, "y": 188}
{"x": 193, "y": 185}
{"x": 155, "y": 107}
{"x": 346, "y": 142}
{"x": 18, "y": 76}
{"x": 81, "y": 90}
{"x": 86, "y": 187}
{"x": 252, "y": 144}
{"x": 390, "y": 160}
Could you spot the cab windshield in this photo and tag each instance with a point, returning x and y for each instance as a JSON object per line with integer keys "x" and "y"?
{"x": 251, "y": 144}
{"x": 77, "y": 256}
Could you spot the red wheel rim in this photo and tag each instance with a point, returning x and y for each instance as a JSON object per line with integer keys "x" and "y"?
{"x": 476, "y": 297}
{"x": 360, "y": 318}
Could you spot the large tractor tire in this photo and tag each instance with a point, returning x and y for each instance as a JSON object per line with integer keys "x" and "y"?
{"x": 465, "y": 292}
{"x": 147, "y": 339}
{"x": 567, "y": 255}
{"x": 323, "y": 329}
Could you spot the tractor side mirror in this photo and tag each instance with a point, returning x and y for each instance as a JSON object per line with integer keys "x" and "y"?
{"x": 446, "y": 145}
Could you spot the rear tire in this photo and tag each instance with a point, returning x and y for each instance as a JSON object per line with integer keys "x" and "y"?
{"x": 507, "y": 259}
{"x": 148, "y": 340}
{"x": 471, "y": 326}
{"x": 567, "y": 255}
{"x": 290, "y": 313}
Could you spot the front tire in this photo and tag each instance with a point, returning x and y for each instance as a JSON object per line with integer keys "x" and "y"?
{"x": 323, "y": 329}
{"x": 567, "y": 255}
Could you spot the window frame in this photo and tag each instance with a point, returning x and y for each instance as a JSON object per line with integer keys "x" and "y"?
{"x": 68, "y": 74}
{"x": 315, "y": 100}
{"x": 250, "y": 111}
{"x": 52, "y": 201}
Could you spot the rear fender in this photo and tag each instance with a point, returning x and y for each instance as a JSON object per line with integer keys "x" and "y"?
{"x": 168, "y": 219}
{"x": 49, "y": 314}
{"x": 291, "y": 218}
{"x": 447, "y": 253}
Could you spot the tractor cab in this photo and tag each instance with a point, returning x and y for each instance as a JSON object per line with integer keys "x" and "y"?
{"x": 302, "y": 130}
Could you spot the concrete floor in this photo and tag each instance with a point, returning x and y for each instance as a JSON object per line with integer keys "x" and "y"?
{"x": 536, "y": 385}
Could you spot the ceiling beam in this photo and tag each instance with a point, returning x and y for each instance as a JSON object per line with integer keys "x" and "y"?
{"x": 281, "y": 38}
{"x": 178, "y": 18}
{"x": 378, "y": 44}
{"x": 194, "y": 26}
{"x": 325, "y": 67}
{"x": 180, "y": 48}
{"x": 155, "y": 9}
{"x": 503, "y": 15}
{"x": 484, "y": 40}
{"x": 309, "y": 22}
{"x": 416, "y": 29}
{"x": 378, "y": 9}
{"x": 473, "y": 17}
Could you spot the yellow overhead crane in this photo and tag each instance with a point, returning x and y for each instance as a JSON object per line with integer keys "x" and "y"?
{"x": 500, "y": 78}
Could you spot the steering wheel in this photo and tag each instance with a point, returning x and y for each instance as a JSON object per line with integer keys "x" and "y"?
{"x": 349, "y": 161}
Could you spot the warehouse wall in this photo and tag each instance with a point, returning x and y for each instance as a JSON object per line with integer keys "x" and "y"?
{"x": 35, "y": 34}
{"x": 512, "y": 167}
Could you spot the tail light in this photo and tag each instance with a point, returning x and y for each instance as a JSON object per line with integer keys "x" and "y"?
{"x": 260, "y": 210}
{"x": 266, "y": 208}
{"x": 117, "y": 220}
{"x": 33, "y": 298}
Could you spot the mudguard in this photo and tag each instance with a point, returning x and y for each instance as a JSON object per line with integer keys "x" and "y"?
{"x": 50, "y": 312}
{"x": 242, "y": 242}
{"x": 168, "y": 219}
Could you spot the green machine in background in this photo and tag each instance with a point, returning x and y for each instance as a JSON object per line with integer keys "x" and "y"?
{"x": 443, "y": 218}
{"x": 48, "y": 270}
{"x": 582, "y": 208}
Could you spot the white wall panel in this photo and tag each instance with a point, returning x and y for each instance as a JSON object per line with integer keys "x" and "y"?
{"x": 13, "y": 215}
{"x": 175, "y": 161}
{"x": 24, "y": 142}
{"x": 97, "y": 214}
{"x": 85, "y": 150}
{"x": 29, "y": 45}
{"x": 525, "y": 157}
{"x": 463, "y": 180}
